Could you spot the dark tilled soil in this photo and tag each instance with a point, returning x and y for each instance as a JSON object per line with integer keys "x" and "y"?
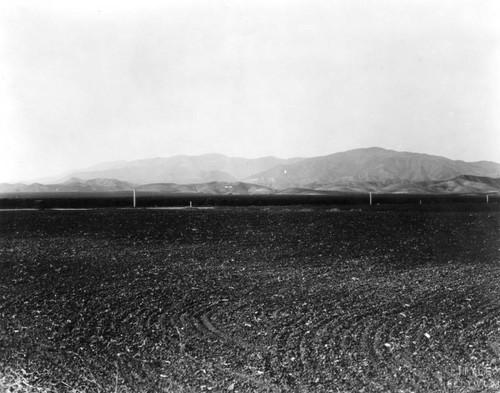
{"x": 243, "y": 300}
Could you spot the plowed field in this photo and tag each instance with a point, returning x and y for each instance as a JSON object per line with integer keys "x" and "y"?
{"x": 249, "y": 299}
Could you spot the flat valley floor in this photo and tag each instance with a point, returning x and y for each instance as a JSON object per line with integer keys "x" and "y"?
{"x": 249, "y": 299}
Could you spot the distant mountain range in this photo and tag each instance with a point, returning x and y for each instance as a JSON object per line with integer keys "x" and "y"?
{"x": 181, "y": 169}
{"x": 360, "y": 170}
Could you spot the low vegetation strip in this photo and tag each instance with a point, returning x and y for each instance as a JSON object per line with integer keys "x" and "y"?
{"x": 249, "y": 299}
{"x": 144, "y": 199}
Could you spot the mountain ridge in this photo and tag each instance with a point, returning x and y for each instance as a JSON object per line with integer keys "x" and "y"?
{"x": 372, "y": 164}
{"x": 182, "y": 169}
{"x": 360, "y": 170}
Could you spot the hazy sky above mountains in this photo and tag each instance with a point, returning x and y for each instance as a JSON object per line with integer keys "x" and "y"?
{"x": 87, "y": 82}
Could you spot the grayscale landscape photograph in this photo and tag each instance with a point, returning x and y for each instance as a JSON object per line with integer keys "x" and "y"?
{"x": 250, "y": 196}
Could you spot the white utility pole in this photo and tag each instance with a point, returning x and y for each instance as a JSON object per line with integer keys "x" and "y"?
{"x": 134, "y": 197}
{"x": 370, "y": 198}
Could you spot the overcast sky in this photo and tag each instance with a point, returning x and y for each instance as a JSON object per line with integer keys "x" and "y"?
{"x": 88, "y": 82}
